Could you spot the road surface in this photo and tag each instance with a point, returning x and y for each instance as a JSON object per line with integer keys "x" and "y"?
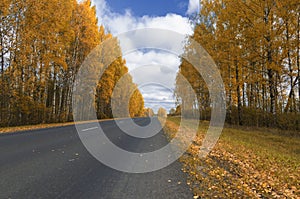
{"x": 53, "y": 163}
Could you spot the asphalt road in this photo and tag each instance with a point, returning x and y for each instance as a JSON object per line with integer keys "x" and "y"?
{"x": 53, "y": 163}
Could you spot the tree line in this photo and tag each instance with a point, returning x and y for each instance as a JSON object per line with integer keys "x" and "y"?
{"x": 42, "y": 46}
{"x": 256, "y": 46}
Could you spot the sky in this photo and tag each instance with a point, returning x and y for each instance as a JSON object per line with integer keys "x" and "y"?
{"x": 160, "y": 27}
{"x": 152, "y": 8}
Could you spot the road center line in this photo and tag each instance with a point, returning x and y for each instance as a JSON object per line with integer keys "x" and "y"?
{"x": 89, "y": 129}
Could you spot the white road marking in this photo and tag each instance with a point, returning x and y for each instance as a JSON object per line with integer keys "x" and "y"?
{"x": 89, "y": 129}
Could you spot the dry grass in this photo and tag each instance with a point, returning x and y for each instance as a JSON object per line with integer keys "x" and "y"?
{"x": 32, "y": 127}
{"x": 42, "y": 126}
{"x": 243, "y": 164}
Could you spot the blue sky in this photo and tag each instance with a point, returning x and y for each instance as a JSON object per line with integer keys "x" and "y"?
{"x": 171, "y": 16}
{"x": 150, "y": 7}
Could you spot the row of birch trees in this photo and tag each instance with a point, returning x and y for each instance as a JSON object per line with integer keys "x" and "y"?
{"x": 42, "y": 46}
{"x": 256, "y": 46}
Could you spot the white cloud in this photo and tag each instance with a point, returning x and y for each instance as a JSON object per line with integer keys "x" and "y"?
{"x": 162, "y": 39}
{"x": 194, "y": 7}
{"x": 138, "y": 58}
{"x": 117, "y": 23}
{"x": 101, "y": 6}
{"x": 167, "y": 33}
{"x": 163, "y": 98}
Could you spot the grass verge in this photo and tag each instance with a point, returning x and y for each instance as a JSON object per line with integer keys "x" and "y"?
{"x": 32, "y": 127}
{"x": 244, "y": 163}
{"x": 43, "y": 126}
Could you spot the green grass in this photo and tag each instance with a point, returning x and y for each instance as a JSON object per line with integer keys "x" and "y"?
{"x": 280, "y": 150}
{"x": 270, "y": 144}
{"x": 276, "y": 146}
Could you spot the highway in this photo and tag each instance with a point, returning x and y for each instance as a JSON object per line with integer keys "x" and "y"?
{"x": 53, "y": 163}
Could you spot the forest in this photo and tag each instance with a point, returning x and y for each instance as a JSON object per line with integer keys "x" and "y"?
{"x": 256, "y": 46}
{"x": 42, "y": 46}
